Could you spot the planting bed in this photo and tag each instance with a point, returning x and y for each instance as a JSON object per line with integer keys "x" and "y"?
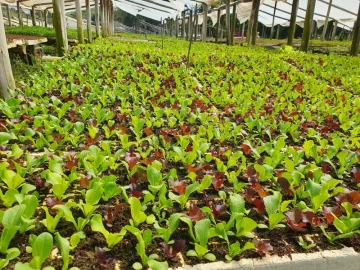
{"x": 120, "y": 156}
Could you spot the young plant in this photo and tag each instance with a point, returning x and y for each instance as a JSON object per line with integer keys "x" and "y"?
{"x": 31, "y": 203}
{"x": 144, "y": 239}
{"x": 165, "y": 233}
{"x": 235, "y": 249}
{"x": 40, "y": 248}
{"x": 244, "y": 225}
{"x": 81, "y": 222}
{"x": 11, "y": 254}
{"x": 64, "y": 246}
{"x": 182, "y": 199}
{"x": 111, "y": 238}
{"x": 50, "y": 222}
{"x": 137, "y": 214}
{"x": 11, "y": 222}
{"x": 172, "y": 249}
{"x": 202, "y": 228}
{"x": 274, "y": 208}
{"x": 304, "y": 244}
{"x": 104, "y": 262}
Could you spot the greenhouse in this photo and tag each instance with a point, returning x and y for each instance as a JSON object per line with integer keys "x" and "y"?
{"x": 179, "y": 134}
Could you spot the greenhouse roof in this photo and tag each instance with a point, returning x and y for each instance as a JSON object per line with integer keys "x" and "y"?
{"x": 343, "y": 11}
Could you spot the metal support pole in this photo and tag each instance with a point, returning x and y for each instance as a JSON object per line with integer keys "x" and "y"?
{"x": 88, "y": 20}
{"x": 273, "y": 22}
{"x": 227, "y": 22}
{"x": 356, "y": 37}
{"x": 8, "y": 14}
{"x": 33, "y": 16}
{"x": 308, "y": 25}
{"x": 60, "y": 27}
{"x": 217, "y": 27}
{"x": 190, "y": 22}
{"x": 19, "y": 10}
{"x": 45, "y": 18}
{"x": 183, "y": 25}
{"x": 177, "y": 26}
{"x": 41, "y": 20}
{"x": 243, "y": 30}
{"x": 326, "y": 21}
{"x": 103, "y": 21}
{"x": 171, "y": 27}
{"x": 191, "y": 40}
{"x": 79, "y": 23}
{"x": 196, "y": 24}
{"x": 233, "y": 25}
{"x": 333, "y": 34}
{"x": 253, "y": 23}
{"x": 97, "y": 18}
{"x": 6, "y": 75}
{"x": 204, "y": 26}
{"x": 294, "y": 9}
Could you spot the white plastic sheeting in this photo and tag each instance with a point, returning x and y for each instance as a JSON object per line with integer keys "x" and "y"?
{"x": 243, "y": 11}
{"x": 157, "y": 9}
{"x": 154, "y": 9}
{"x": 282, "y": 15}
{"x": 345, "y": 18}
{"x": 43, "y": 4}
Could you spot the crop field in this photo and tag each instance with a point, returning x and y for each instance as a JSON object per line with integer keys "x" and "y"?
{"x": 121, "y": 156}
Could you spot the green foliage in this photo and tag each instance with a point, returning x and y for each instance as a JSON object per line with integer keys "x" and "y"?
{"x": 111, "y": 238}
{"x": 38, "y": 31}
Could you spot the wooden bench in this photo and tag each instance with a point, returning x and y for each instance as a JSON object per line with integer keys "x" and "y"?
{"x": 25, "y": 46}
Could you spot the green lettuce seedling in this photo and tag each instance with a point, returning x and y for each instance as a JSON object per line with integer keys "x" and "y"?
{"x": 111, "y": 238}
{"x": 139, "y": 216}
{"x": 144, "y": 239}
{"x": 202, "y": 232}
{"x": 40, "y": 249}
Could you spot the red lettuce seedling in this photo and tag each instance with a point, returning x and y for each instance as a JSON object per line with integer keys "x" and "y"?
{"x": 325, "y": 167}
{"x": 262, "y": 246}
{"x": 352, "y": 197}
{"x": 172, "y": 250}
{"x": 135, "y": 191}
{"x": 356, "y": 173}
{"x": 218, "y": 180}
{"x": 284, "y": 185}
{"x": 185, "y": 129}
{"x": 251, "y": 175}
{"x": 92, "y": 122}
{"x": 246, "y": 149}
{"x": 71, "y": 161}
{"x": 131, "y": 159}
{"x": 111, "y": 214}
{"x": 85, "y": 181}
{"x": 329, "y": 213}
{"x": 57, "y": 137}
{"x": 104, "y": 262}
{"x": 195, "y": 213}
{"x": 217, "y": 210}
{"x": 178, "y": 186}
{"x": 148, "y": 131}
{"x": 254, "y": 194}
{"x": 51, "y": 202}
{"x": 297, "y": 219}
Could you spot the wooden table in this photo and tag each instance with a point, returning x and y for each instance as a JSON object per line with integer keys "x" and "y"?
{"x": 25, "y": 46}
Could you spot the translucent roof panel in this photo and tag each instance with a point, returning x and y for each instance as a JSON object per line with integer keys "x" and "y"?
{"x": 157, "y": 9}
{"x": 43, "y": 4}
{"x": 148, "y": 9}
{"x": 345, "y": 14}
